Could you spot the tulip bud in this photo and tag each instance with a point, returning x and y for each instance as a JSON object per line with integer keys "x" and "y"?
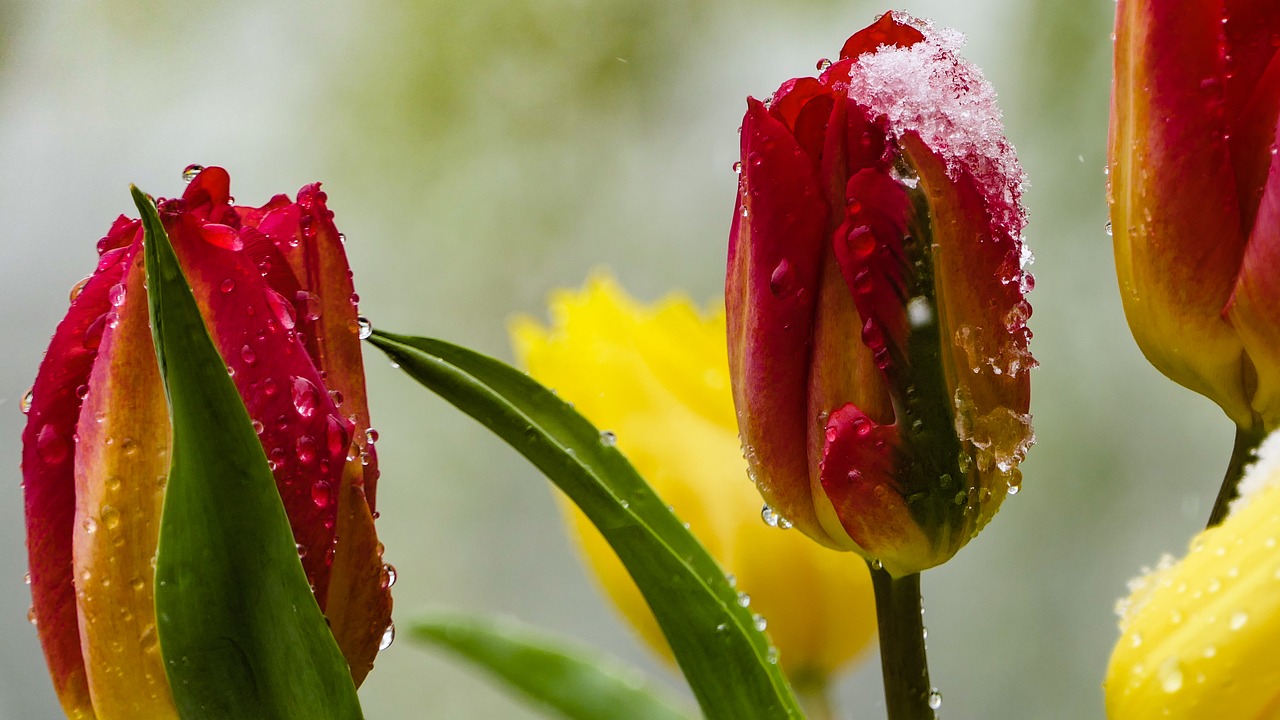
{"x": 876, "y": 299}
{"x": 1194, "y": 190}
{"x": 657, "y": 378}
{"x": 273, "y": 286}
{"x": 1199, "y": 634}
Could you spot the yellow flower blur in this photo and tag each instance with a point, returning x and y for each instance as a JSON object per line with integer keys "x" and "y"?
{"x": 658, "y": 377}
{"x": 1200, "y": 636}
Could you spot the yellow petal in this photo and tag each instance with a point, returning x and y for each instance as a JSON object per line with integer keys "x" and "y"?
{"x": 658, "y": 378}
{"x": 122, "y": 460}
{"x": 1199, "y": 635}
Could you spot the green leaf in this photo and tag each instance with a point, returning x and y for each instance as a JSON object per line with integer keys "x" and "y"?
{"x": 240, "y": 632}
{"x": 729, "y": 665}
{"x": 579, "y": 683}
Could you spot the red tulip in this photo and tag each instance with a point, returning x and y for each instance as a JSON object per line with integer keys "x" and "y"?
{"x": 1195, "y": 195}
{"x": 276, "y": 293}
{"x": 875, "y": 296}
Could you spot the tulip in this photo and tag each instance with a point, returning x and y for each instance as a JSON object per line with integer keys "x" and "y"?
{"x": 658, "y": 378}
{"x": 876, "y": 299}
{"x": 1195, "y": 195}
{"x": 273, "y": 285}
{"x": 1199, "y": 634}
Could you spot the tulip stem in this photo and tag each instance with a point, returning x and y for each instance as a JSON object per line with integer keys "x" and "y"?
{"x": 900, "y": 616}
{"x": 1243, "y": 454}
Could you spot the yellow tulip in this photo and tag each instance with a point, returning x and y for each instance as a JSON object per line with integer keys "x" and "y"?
{"x": 1199, "y": 635}
{"x": 658, "y": 377}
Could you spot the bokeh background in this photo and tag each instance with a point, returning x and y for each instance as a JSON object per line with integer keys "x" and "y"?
{"x": 479, "y": 154}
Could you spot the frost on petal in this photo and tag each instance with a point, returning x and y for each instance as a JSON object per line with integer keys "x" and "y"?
{"x": 929, "y": 89}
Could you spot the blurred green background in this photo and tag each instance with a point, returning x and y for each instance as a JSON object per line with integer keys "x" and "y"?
{"x": 479, "y": 154}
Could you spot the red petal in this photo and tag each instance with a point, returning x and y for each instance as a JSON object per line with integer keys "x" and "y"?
{"x": 859, "y": 460}
{"x": 771, "y": 284}
{"x": 1254, "y": 310}
{"x": 886, "y": 30}
{"x": 282, "y": 388}
{"x": 48, "y": 472}
{"x": 1168, "y": 121}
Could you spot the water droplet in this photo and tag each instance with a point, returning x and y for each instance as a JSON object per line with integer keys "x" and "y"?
{"x": 31, "y": 615}
{"x": 737, "y": 167}
{"x": 769, "y": 517}
{"x": 311, "y": 305}
{"x": 227, "y": 286}
{"x": 366, "y": 327}
{"x": 25, "y": 403}
{"x": 1108, "y": 228}
{"x": 876, "y": 564}
{"x": 780, "y": 281}
{"x": 861, "y": 242}
{"x": 772, "y": 655}
{"x": 190, "y": 172}
{"x": 248, "y": 355}
{"x": 305, "y": 397}
{"x": 50, "y": 446}
{"x": 306, "y": 449}
{"x": 282, "y": 308}
{"x": 608, "y": 439}
{"x": 371, "y": 436}
{"x": 137, "y": 583}
{"x": 935, "y": 699}
{"x": 759, "y": 622}
{"x": 335, "y": 435}
{"x": 388, "y": 637}
{"x": 222, "y": 236}
{"x": 731, "y": 579}
{"x": 322, "y": 494}
{"x": 823, "y": 64}
{"x": 744, "y": 600}
{"x": 1238, "y": 619}
{"x": 388, "y": 576}
{"x": 1170, "y": 676}
{"x": 78, "y": 287}
{"x": 116, "y": 295}
{"x": 1013, "y": 489}
{"x": 110, "y": 517}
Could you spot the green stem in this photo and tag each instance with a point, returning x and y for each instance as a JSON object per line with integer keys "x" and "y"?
{"x": 900, "y": 616}
{"x": 1243, "y": 454}
{"x": 813, "y": 690}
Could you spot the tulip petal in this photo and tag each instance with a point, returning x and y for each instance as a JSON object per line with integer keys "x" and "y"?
{"x": 48, "y": 472}
{"x": 1199, "y": 635}
{"x": 860, "y": 461}
{"x": 774, "y": 263}
{"x": 1253, "y": 310}
{"x": 981, "y": 314}
{"x": 888, "y": 29}
{"x": 1172, "y": 186}
{"x": 121, "y": 467}
{"x": 359, "y": 601}
{"x": 239, "y": 628}
{"x": 253, "y": 326}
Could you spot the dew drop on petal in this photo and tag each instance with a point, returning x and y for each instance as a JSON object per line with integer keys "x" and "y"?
{"x": 335, "y": 436}
{"x": 222, "y": 236}
{"x": 78, "y": 287}
{"x": 759, "y": 622}
{"x": 388, "y": 637}
{"x": 190, "y": 172}
{"x": 322, "y": 494}
{"x": 365, "y": 327}
{"x": 25, "y": 403}
{"x": 50, "y": 446}
{"x": 744, "y": 600}
{"x": 388, "y": 576}
{"x": 305, "y": 397}
{"x": 608, "y": 439}
{"x": 935, "y": 699}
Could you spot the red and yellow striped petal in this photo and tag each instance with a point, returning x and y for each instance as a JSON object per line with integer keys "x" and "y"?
{"x": 121, "y": 466}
